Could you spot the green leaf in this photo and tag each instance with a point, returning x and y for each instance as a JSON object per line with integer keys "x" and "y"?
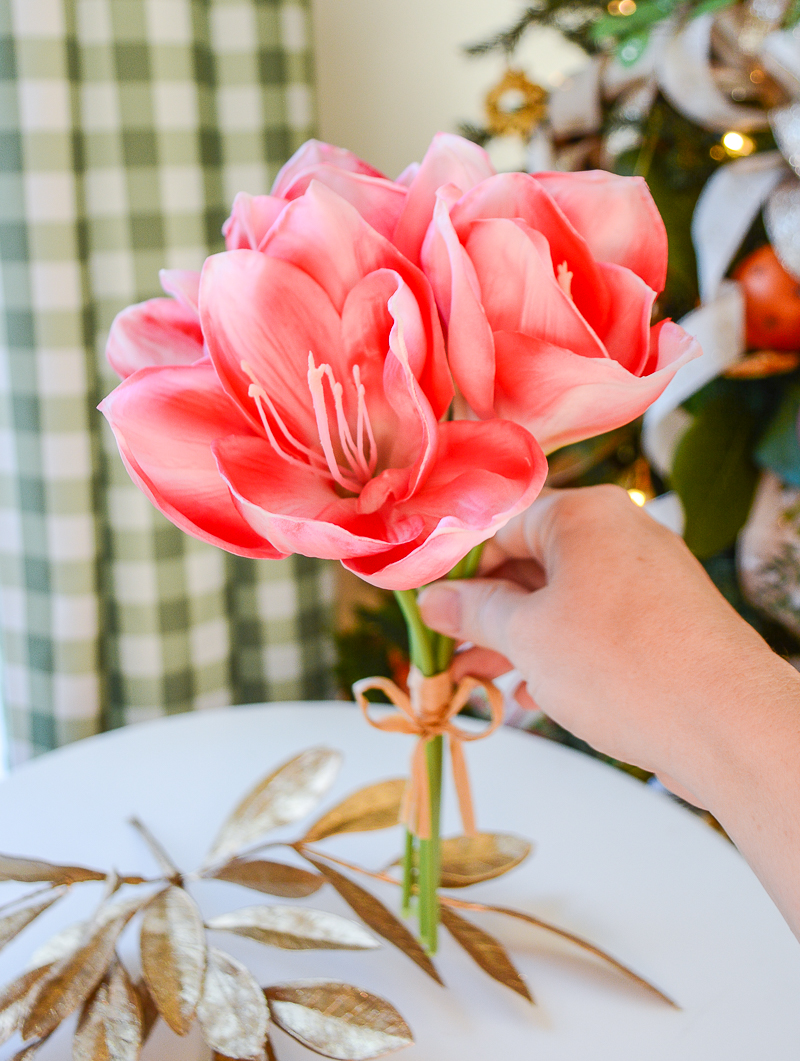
{"x": 779, "y": 448}
{"x": 706, "y": 6}
{"x": 714, "y": 475}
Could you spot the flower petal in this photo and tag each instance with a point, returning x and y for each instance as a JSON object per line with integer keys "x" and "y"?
{"x": 378, "y": 200}
{"x": 160, "y": 331}
{"x": 299, "y": 510}
{"x": 627, "y": 334}
{"x": 252, "y": 216}
{"x": 182, "y": 284}
{"x": 315, "y": 153}
{"x": 561, "y": 397}
{"x": 269, "y": 314}
{"x": 520, "y": 196}
{"x": 617, "y": 217}
{"x": 485, "y": 473}
{"x": 327, "y": 238}
{"x": 449, "y": 160}
{"x": 519, "y": 290}
{"x": 469, "y": 341}
{"x": 165, "y": 421}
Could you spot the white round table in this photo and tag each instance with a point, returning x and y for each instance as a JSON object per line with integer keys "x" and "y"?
{"x": 614, "y": 862}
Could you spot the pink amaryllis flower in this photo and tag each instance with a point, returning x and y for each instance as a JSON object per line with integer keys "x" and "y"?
{"x": 164, "y": 331}
{"x": 400, "y": 210}
{"x": 547, "y": 285}
{"x": 312, "y": 425}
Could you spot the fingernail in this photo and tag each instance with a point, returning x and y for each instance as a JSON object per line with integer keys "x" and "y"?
{"x": 441, "y": 609}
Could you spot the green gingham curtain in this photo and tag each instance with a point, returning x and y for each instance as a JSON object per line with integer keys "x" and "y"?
{"x": 126, "y": 128}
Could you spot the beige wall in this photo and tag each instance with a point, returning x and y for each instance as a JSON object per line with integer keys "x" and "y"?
{"x": 390, "y": 73}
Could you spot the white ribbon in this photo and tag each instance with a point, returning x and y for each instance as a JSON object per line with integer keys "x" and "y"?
{"x": 719, "y": 328}
{"x": 684, "y": 73}
{"x": 726, "y": 209}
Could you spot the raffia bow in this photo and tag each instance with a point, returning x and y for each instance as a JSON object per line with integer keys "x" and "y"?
{"x": 427, "y": 713}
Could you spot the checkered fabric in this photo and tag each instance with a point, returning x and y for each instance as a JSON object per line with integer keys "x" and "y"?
{"x": 126, "y": 128}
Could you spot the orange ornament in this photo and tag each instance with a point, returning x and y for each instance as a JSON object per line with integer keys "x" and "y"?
{"x": 772, "y": 301}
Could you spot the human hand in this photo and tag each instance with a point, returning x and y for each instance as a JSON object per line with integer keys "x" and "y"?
{"x": 618, "y": 632}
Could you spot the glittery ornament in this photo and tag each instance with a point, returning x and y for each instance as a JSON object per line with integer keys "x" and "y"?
{"x": 772, "y": 302}
{"x": 785, "y": 122}
{"x": 782, "y": 220}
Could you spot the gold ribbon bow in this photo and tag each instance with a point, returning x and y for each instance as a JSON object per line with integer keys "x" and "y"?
{"x": 427, "y": 713}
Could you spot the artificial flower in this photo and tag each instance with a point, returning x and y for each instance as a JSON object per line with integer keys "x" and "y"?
{"x": 547, "y": 285}
{"x": 313, "y": 422}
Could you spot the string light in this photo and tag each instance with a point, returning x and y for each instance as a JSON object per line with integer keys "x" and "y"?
{"x": 738, "y": 145}
{"x": 637, "y": 496}
{"x": 621, "y": 7}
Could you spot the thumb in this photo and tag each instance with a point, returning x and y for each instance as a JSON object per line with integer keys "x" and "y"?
{"x": 478, "y": 610}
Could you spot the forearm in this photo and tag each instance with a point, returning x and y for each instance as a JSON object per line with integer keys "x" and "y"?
{"x": 752, "y": 780}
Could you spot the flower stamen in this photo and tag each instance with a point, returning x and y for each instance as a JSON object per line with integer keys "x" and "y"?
{"x": 315, "y": 378}
{"x": 353, "y": 453}
{"x": 564, "y": 278}
{"x": 259, "y": 395}
{"x": 364, "y": 422}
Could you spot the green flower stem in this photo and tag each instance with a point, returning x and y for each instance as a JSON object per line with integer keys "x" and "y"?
{"x": 423, "y": 657}
{"x": 429, "y": 850}
{"x": 408, "y": 873}
{"x": 419, "y": 636}
{"x": 431, "y": 654}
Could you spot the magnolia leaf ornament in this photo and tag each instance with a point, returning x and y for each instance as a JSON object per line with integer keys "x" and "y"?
{"x": 373, "y": 807}
{"x": 232, "y": 1010}
{"x": 467, "y": 860}
{"x": 29, "y": 871}
{"x": 110, "y": 1027}
{"x": 272, "y": 878}
{"x": 69, "y": 982}
{"x": 337, "y": 1020}
{"x": 184, "y": 979}
{"x": 173, "y": 950}
{"x": 286, "y": 795}
{"x": 486, "y": 951}
{"x": 379, "y": 918}
{"x": 295, "y": 928}
{"x": 12, "y": 924}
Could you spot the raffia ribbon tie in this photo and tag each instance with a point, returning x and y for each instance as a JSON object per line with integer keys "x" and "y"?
{"x": 427, "y": 713}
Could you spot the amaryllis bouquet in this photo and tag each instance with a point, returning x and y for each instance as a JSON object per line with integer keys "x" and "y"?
{"x": 372, "y": 372}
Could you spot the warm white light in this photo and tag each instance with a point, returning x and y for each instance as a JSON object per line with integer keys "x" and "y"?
{"x": 736, "y": 144}
{"x": 638, "y": 497}
{"x": 733, "y": 141}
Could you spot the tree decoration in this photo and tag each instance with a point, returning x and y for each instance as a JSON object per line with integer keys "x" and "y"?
{"x": 703, "y": 101}
{"x": 515, "y": 105}
{"x": 186, "y": 979}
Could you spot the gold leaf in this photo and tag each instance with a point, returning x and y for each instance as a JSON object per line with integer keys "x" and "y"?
{"x": 579, "y": 942}
{"x": 59, "y": 946}
{"x": 373, "y": 807}
{"x": 272, "y": 878}
{"x": 29, "y": 871}
{"x": 338, "y": 1020}
{"x": 12, "y": 924}
{"x": 285, "y": 796}
{"x": 173, "y": 946}
{"x": 70, "y": 981}
{"x": 27, "y": 1053}
{"x": 295, "y": 928}
{"x": 485, "y": 950}
{"x": 469, "y": 859}
{"x": 15, "y": 1000}
{"x": 378, "y": 917}
{"x": 110, "y": 1026}
{"x": 232, "y": 1010}
{"x": 147, "y": 1007}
